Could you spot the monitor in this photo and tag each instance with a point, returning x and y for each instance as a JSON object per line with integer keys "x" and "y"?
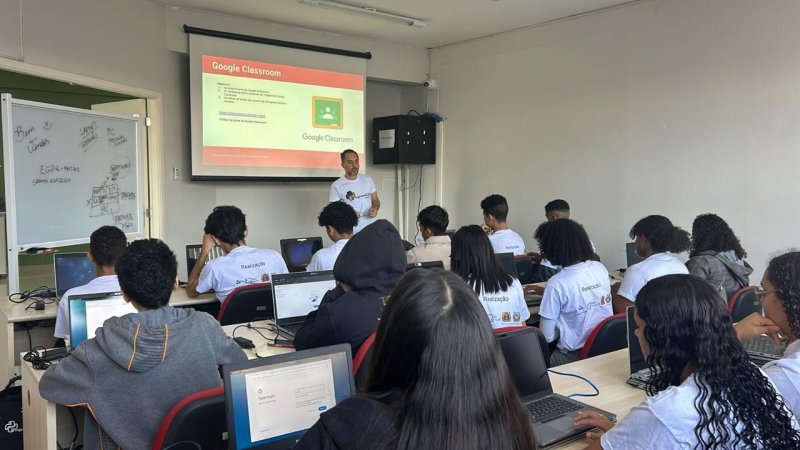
{"x": 87, "y": 312}
{"x": 71, "y": 270}
{"x": 297, "y": 252}
{"x": 296, "y": 294}
{"x": 270, "y": 402}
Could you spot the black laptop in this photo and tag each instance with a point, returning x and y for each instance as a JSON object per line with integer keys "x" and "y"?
{"x": 297, "y": 252}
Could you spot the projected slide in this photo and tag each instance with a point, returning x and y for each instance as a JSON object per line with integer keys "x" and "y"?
{"x": 258, "y": 114}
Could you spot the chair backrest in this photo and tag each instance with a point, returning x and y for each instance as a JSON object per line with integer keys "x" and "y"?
{"x": 743, "y": 303}
{"x": 197, "y": 421}
{"x": 542, "y": 341}
{"x": 524, "y": 265}
{"x": 246, "y": 303}
{"x": 609, "y": 335}
{"x": 361, "y": 356}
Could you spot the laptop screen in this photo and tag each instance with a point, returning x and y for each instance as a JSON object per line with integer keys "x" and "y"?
{"x": 630, "y": 252}
{"x": 272, "y": 401}
{"x": 88, "y": 312}
{"x": 506, "y": 261}
{"x": 635, "y": 354}
{"x": 526, "y": 363}
{"x": 298, "y": 252}
{"x": 193, "y": 254}
{"x": 72, "y": 269}
{"x": 297, "y": 294}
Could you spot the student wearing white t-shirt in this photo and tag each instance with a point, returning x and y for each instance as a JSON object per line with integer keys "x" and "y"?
{"x": 653, "y": 236}
{"x": 738, "y": 406}
{"x": 495, "y": 215}
{"x": 578, "y": 297}
{"x": 339, "y": 219}
{"x": 356, "y": 190}
{"x": 779, "y": 294}
{"x": 106, "y": 245}
{"x": 472, "y": 258}
{"x": 242, "y": 265}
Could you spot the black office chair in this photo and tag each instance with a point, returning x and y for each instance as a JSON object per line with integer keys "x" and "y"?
{"x": 609, "y": 335}
{"x": 743, "y": 303}
{"x": 247, "y": 303}
{"x": 197, "y": 421}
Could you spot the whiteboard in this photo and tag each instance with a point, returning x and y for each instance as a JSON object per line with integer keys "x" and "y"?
{"x": 69, "y": 172}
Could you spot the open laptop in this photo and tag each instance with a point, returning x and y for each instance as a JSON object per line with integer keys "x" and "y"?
{"x": 762, "y": 350}
{"x": 297, "y": 252}
{"x": 193, "y": 254}
{"x": 72, "y": 269}
{"x": 87, "y": 313}
{"x": 640, "y": 373}
{"x": 551, "y": 415}
{"x": 270, "y": 402}
{"x": 425, "y": 265}
{"x": 294, "y": 295}
{"x": 630, "y": 252}
{"x": 506, "y": 261}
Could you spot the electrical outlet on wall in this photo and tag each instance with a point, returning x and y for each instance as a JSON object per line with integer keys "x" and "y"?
{"x": 176, "y": 173}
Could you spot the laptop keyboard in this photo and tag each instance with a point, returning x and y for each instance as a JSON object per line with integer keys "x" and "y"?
{"x": 550, "y": 406}
{"x": 762, "y": 344}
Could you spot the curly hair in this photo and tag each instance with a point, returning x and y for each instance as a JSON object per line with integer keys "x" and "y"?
{"x": 687, "y": 325}
{"x": 227, "y": 224}
{"x": 106, "y": 244}
{"x": 711, "y": 233}
{"x": 146, "y": 272}
{"x": 495, "y": 205}
{"x": 662, "y": 235}
{"x": 564, "y": 242}
{"x": 472, "y": 258}
{"x": 434, "y": 218}
{"x": 784, "y": 273}
{"x": 341, "y": 216}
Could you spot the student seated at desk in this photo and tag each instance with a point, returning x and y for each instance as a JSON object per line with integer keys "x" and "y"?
{"x": 717, "y": 255}
{"x": 779, "y": 294}
{"x": 578, "y": 297}
{"x": 368, "y": 268}
{"x": 241, "y": 265}
{"x": 432, "y": 222}
{"x": 437, "y": 378}
{"x": 339, "y": 220}
{"x": 654, "y": 236}
{"x": 139, "y": 365}
{"x": 495, "y": 215}
{"x": 706, "y": 393}
{"x": 105, "y": 247}
{"x": 500, "y": 294}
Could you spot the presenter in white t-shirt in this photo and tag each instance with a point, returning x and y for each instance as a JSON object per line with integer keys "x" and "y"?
{"x": 577, "y": 298}
{"x": 472, "y": 258}
{"x": 356, "y": 190}
{"x": 339, "y": 220}
{"x": 106, "y": 245}
{"x": 705, "y": 392}
{"x": 654, "y": 236}
{"x": 242, "y": 265}
{"x": 495, "y": 214}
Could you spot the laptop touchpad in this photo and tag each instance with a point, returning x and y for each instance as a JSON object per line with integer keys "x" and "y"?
{"x": 563, "y": 423}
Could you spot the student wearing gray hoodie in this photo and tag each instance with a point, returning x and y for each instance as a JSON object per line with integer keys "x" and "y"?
{"x": 139, "y": 365}
{"x": 717, "y": 256}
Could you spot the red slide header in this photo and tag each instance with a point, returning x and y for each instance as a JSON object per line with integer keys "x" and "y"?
{"x": 290, "y": 74}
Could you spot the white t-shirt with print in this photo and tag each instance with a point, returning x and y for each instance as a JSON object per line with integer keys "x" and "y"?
{"x": 99, "y": 285}
{"x": 243, "y": 265}
{"x": 325, "y": 258}
{"x": 785, "y": 374}
{"x": 577, "y": 298}
{"x": 507, "y": 241}
{"x": 657, "y": 265}
{"x": 506, "y": 308}
{"x": 358, "y": 194}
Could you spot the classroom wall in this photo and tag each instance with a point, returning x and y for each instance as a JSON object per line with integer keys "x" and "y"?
{"x": 140, "y": 43}
{"x": 666, "y": 107}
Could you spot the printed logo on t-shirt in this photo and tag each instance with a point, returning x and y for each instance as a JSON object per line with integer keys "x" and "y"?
{"x": 516, "y": 316}
{"x": 350, "y": 196}
{"x": 506, "y": 316}
{"x": 264, "y": 277}
{"x": 606, "y": 299}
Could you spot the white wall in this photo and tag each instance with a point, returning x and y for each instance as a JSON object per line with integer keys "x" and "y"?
{"x": 141, "y": 44}
{"x": 667, "y": 107}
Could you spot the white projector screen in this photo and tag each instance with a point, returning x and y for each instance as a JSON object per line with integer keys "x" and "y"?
{"x": 267, "y": 112}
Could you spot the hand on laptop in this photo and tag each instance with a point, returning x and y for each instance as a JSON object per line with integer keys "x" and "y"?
{"x": 593, "y": 419}
{"x": 755, "y": 324}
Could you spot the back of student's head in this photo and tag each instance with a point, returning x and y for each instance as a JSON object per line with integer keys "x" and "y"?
{"x": 472, "y": 258}
{"x": 557, "y": 205}
{"x": 435, "y": 345}
{"x": 226, "y": 223}
{"x": 106, "y": 245}
{"x": 687, "y": 326}
{"x": 146, "y": 272}
{"x": 434, "y": 218}
{"x": 783, "y": 272}
{"x": 661, "y": 234}
{"x": 711, "y": 233}
{"x": 496, "y": 206}
{"x": 564, "y": 242}
{"x": 339, "y": 215}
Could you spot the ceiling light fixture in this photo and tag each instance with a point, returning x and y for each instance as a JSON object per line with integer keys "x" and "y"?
{"x": 410, "y": 21}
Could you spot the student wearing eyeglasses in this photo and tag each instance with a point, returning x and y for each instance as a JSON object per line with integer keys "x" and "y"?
{"x": 779, "y": 295}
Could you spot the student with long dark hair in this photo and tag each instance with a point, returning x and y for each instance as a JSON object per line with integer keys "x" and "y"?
{"x": 437, "y": 378}
{"x": 654, "y": 236}
{"x": 706, "y": 393}
{"x": 578, "y": 297}
{"x": 780, "y": 298}
{"x": 717, "y": 255}
{"x": 472, "y": 258}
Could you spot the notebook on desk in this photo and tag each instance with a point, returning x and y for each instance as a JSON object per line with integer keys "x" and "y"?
{"x": 271, "y": 402}
{"x": 71, "y": 270}
{"x": 87, "y": 313}
{"x": 294, "y": 295}
{"x": 552, "y": 415}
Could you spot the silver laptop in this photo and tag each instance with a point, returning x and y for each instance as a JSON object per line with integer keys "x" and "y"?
{"x": 71, "y": 270}
{"x": 640, "y": 373}
{"x": 762, "y": 350}
{"x": 87, "y": 313}
{"x": 294, "y": 295}
{"x": 552, "y": 415}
